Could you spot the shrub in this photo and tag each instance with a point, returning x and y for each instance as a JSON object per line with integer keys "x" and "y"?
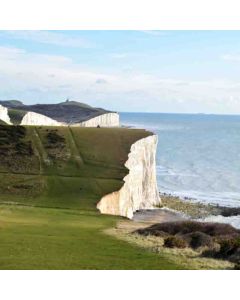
{"x": 12, "y": 141}
{"x": 229, "y": 247}
{"x": 174, "y": 242}
{"x": 210, "y": 253}
{"x": 237, "y": 266}
{"x": 24, "y": 148}
{"x": 199, "y": 239}
{"x": 54, "y": 138}
{"x": 187, "y": 227}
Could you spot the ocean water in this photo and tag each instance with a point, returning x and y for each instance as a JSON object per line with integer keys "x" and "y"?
{"x": 198, "y": 155}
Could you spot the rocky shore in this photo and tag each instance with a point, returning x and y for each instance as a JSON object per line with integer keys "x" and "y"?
{"x": 173, "y": 208}
{"x": 195, "y": 209}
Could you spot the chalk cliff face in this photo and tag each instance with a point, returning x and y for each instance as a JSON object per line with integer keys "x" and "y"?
{"x": 4, "y": 115}
{"x": 32, "y": 118}
{"x": 105, "y": 120}
{"x": 140, "y": 188}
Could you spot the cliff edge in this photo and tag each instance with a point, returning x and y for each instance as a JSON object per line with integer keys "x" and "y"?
{"x": 76, "y": 167}
{"x": 140, "y": 189}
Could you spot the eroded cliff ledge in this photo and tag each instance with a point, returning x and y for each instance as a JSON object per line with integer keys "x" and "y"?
{"x": 140, "y": 189}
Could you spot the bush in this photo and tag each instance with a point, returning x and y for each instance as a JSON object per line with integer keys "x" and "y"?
{"x": 12, "y": 141}
{"x": 54, "y": 138}
{"x": 237, "y": 266}
{"x": 199, "y": 239}
{"x": 211, "y": 253}
{"x": 174, "y": 242}
{"x": 13, "y": 133}
{"x": 229, "y": 247}
{"x": 187, "y": 227}
{"x": 24, "y": 148}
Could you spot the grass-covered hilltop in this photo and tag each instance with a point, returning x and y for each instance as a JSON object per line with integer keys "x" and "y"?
{"x": 51, "y": 179}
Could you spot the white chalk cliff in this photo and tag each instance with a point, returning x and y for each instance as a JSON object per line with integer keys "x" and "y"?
{"x": 105, "y": 120}
{"x": 4, "y": 115}
{"x": 140, "y": 189}
{"x": 32, "y": 118}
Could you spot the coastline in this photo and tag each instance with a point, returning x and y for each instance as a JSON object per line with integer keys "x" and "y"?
{"x": 196, "y": 209}
{"x": 173, "y": 208}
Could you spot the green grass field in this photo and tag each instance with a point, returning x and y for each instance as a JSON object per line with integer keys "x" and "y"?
{"x": 50, "y": 182}
{"x": 44, "y": 238}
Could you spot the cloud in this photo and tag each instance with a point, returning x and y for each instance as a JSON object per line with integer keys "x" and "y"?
{"x": 49, "y": 37}
{"x": 44, "y": 78}
{"x": 231, "y": 57}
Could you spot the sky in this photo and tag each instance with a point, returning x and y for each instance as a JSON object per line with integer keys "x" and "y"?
{"x": 134, "y": 71}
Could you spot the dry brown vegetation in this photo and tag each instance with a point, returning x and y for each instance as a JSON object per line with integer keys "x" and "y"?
{"x": 216, "y": 240}
{"x": 186, "y": 257}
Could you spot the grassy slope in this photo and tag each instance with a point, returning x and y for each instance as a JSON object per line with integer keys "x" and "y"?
{"x": 90, "y": 165}
{"x": 16, "y": 115}
{"x": 42, "y": 238}
{"x": 34, "y": 234}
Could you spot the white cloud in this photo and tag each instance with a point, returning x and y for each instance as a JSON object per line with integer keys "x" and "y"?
{"x": 49, "y": 37}
{"x": 47, "y": 78}
{"x": 231, "y": 57}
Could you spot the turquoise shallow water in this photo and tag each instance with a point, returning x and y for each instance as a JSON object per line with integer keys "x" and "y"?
{"x": 198, "y": 155}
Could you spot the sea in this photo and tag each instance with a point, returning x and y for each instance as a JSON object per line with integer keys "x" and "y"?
{"x": 198, "y": 155}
